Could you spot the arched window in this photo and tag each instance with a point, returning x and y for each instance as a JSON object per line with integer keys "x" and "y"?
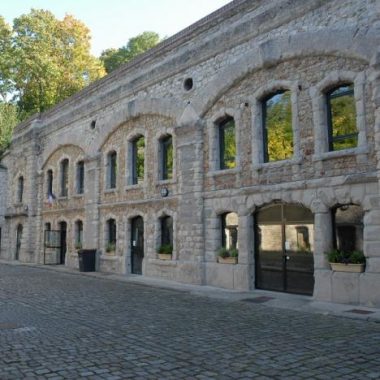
{"x": 277, "y": 126}
{"x": 166, "y": 157}
{"x": 167, "y": 231}
{"x": 348, "y": 228}
{"x": 227, "y": 143}
{"x": 137, "y": 162}
{"x": 111, "y": 170}
{"x": 78, "y": 234}
{"x": 49, "y": 183}
{"x": 230, "y": 227}
{"x": 20, "y": 189}
{"x": 341, "y": 118}
{"x": 64, "y": 177}
{"x": 80, "y": 177}
{"x": 111, "y": 235}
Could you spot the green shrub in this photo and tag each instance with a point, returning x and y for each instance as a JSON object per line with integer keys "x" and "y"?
{"x": 165, "y": 249}
{"x": 224, "y": 252}
{"x": 354, "y": 257}
{"x": 110, "y": 247}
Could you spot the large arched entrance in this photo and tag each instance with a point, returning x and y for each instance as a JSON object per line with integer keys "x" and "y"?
{"x": 284, "y": 236}
{"x": 137, "y": 244}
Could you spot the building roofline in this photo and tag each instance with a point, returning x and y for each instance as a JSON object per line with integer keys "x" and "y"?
{"x": 227, "y": 11}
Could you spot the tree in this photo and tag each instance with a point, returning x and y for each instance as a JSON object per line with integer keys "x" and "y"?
{"x": 6, "y": 84}
{"x": 113, "y": 58}
{"x": 52, "y": 60}
{"x": 8, "y": 120}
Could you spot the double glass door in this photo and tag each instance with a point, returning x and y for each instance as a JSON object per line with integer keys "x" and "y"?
{"x": 284, "y": 236}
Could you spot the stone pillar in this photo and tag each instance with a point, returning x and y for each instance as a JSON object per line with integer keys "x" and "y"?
{"x": 189, "y": 146}
{"x": 91, "y": 228}
{"x": 323, "y": 241}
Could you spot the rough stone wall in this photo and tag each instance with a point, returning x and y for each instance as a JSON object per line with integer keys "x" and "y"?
{"x": 235, "y": 57}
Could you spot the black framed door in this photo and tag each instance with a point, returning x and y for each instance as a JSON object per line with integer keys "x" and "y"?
{"x": 284, "y": 236}
{"x": 137, "y": 244}
{"x": 18, "y": 241}
{"x": 63, "y": 243}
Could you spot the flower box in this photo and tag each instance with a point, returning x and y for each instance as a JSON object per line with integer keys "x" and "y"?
{"x": 164, "y": 256}
{"x": 353, "y": 268}
{"x": 227, "y": 260}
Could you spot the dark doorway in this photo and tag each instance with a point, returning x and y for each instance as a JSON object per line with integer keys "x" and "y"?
{"x": 284, "y": 249}
{"x": 18, "y": 241}
{"x": 137, "y": 244}
{"x": 63, "y": 244}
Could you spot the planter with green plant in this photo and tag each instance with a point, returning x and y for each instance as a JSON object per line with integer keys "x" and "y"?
{"x": 78, "y": 246}
{"x": 341, "y": 261}
{"x": 110, "y": 247}
{"x": 227, "y": 256}
{"x": 165, "y": 252}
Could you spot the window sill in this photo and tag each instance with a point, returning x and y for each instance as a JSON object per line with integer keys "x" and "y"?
{"x": 78, "y": 196}
{"x": 340, "y": 153}
{"x": 165, "y": 182}
{"x": 63, "y": 198}
{"x": 221, "y": 172}
{"x": 110, "y": 191}
{"x": 278, "y": 164}
{"x": 138, "y": 186}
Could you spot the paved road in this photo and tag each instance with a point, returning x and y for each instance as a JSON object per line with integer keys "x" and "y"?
{"x": 63, "y": 326}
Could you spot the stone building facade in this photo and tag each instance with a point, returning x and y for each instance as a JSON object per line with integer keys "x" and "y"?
{"x": 139, "y": 159}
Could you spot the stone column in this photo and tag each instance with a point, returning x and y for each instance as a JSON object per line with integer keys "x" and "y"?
{"x": 92, "y": 194}
{"x": 323, "y": 241}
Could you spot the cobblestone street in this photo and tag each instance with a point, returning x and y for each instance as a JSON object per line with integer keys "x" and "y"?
{"x": 62, "y": 326}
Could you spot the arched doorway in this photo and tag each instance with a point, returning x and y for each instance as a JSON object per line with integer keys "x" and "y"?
{"x": 284, "y": 236}
{"x": 137, "y": 244}
{"x": 18, "y": 241}
{"x": 63, "y": 245}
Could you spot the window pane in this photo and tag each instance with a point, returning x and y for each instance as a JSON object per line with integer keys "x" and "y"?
{"x": 80, "y": 177}
{"x": 20, "y": 189}
{"x": 349, "y": 228}
{"x": 230, "y": 230}
{"x": 138, "y": 156}
{"x": 64, "y": 177}
{"x": 167, "y": 230}
{"x": 167, "y": 158}
{"x": 278, "y": 132}
{"x": 227, "y": 144}
{"x": 342, "y": 118}
{"x": 112, "y": 169}
{"x": 111, "y": 231}
{"x": 49, "y": 182}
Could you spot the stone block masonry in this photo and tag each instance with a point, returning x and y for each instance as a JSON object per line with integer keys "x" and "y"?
{"x": 176, "y": 98}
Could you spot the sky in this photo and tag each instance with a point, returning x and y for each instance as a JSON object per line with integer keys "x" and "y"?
{"x": 114, "y": 22}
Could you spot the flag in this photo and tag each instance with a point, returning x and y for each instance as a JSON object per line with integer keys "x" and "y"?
{"x": 51, "y": 199}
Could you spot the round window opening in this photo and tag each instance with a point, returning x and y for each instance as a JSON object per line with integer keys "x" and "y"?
{"x": 188, "y": 84}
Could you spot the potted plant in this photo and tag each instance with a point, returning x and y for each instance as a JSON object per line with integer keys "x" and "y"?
{"x": 110, "y": 247}
{"x": 341, "y": 261}
{"x": 227, "y": 256}
{"x": 78, "y": 246}
{"x": 165, "y": 252}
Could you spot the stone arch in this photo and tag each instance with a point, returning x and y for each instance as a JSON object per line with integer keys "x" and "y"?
{"x": 54, "y": 149}
{"x": 346, "y": 42}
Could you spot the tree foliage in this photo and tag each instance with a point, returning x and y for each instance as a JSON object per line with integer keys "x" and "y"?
{"x": 52, "y": 60}
{"x": 113, "y": 58}
{"x": 8, "y": 120}
{"x": 278, "y": 123}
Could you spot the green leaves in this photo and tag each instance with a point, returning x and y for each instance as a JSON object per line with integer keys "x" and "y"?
{"x": 113, "y": 58}
{"x": 8, "y": 120}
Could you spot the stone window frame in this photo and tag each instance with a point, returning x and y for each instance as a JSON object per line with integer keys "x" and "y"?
{"x": 213, "y": 125}
{"x": 20, "y": 189}
{"x": 319, "y": 106}
{"x": 75, "y": 229}
{"x": 60, "y": 161}
{"x": 46, "y": 186}
{"x": 79, "y": 160}
{"x": 158, "y": 164}
{"x": 104, "y": 240}
{"x": 15, "y": 187}
{"x": 158, "y": 238}
{"x": 129, "y": 155}
{"x": 106, "y": 174}
{"x": 257, "y": 123}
